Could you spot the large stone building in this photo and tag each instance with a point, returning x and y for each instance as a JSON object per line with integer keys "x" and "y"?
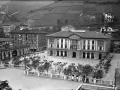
{"x": 78, "y": 44}
{"x": 8, "y": 50}
{"x": 36, "y": 39}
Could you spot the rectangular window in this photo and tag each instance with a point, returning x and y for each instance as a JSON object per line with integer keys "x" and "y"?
{"x": 57, "y": 53}
{"x": 65, "y": 54}
{"x": 57, "y": 45}
{"x": 100, "y": 47}
{"x": 83, "y": 46}
{"x": 92, "y": 42}
{"x": 88, "y": 42}
{"x": 61, "y": 45}
{"x": 88, "y": 47}
{"x": 65, "y": 45}
{"x": 92, "y": 47}
{"x": 51, "y": 45}
{"x": 61, "y": 53}
{"x": 84, "y": 42}
{"x": 61, "y": 40}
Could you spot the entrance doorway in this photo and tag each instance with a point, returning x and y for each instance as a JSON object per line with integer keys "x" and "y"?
{"x": 74, "y": 55}
{"x": 88, "y": 55}
{"x": 83, "y": 54}
{"x": 92, "y": 55}
{"x": 14, "y": 53}
{"x": 100, "y": 56}
{"x": 51, "y": 53}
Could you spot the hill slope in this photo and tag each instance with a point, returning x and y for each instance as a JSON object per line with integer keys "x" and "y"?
{"x": 71, "y": 12}
{"x": 75, "y": 12}
{"x": 23, "y": 7}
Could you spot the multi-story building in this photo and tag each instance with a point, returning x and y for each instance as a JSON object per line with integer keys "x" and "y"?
{"x": 78, "y": 44}
{"x": 8, "y": 50}
{"x": 36, "y": 39}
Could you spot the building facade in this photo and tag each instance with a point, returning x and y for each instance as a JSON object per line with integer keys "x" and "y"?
{"x": 36, "y": 39}
{"x": 78, "y": 44}
{"x": 7, "y": 50}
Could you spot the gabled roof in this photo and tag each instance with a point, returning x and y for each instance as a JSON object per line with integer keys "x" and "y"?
{"x": 86, "y": 34}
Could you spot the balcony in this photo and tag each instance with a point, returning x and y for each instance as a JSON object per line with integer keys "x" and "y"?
{"x": 74, "y": 47}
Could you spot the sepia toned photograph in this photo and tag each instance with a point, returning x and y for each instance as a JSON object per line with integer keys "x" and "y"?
{"x": 59, "y": 44}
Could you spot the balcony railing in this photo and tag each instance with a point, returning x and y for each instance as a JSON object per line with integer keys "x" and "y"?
{"x": 74, "y": 47}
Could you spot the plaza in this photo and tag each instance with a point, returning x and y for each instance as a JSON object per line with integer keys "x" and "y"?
{"x": 17, "y": 80}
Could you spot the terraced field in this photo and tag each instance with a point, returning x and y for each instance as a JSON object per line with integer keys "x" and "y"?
{"x": 76, "y": 12}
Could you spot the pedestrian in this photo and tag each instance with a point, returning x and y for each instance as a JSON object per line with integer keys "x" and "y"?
{"x": 72, "y": 77}
{"x": 83, "y": 79}
{"x": 94, "y": 80}
{"x": 80, "y": 78}
{"x": 87, "y": 80}
{"x": 77, "y": 78}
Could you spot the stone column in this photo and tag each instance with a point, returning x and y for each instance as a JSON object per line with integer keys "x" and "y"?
{"x": 90, "y": 55}
{"x": 6, "y": 53}
{"x": 21, "y": 51}
{"x": 10, "y": 53}
{"x": 59, "y": 53}
{"x": 85, "y": 54}
{"x": 18, "y": 53}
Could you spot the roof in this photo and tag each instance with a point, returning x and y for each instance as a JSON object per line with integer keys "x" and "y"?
{"x": 86, "y": 34}
{"x": 5, "y": 39}
{"x": 26, "y": 31}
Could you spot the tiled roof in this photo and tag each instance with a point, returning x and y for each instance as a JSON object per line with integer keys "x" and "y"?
{"x": 86, "y": 34}
{"x": 26, "y": 31}
{"x": 5, "y": 39}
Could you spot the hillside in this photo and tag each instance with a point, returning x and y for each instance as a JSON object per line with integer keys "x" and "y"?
{"x": 23, "y": 7}
{"x": 75, "y": 12}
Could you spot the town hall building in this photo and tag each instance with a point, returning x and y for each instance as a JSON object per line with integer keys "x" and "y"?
{"x": 78, "y": 44}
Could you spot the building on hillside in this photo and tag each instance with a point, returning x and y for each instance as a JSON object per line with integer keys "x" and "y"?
{"x": 35, "y": 38}
{"x": 108, "y": 30}
{"x": 78, "y": 44}
{"x": 8, "y": 27}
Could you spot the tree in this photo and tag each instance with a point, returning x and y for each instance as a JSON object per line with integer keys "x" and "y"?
{"x": 98, "y": 74}
{"x": 41, "y": 68}
{"x": 87, "y": 69}
{"x": 35, "y": 63}
{"x": 47, "y": 66}
{"x": 2, "y": 33}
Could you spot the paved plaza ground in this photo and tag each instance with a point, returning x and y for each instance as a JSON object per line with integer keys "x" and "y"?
{"x": 109, "y": 76}
{"x": 18, "y": 80}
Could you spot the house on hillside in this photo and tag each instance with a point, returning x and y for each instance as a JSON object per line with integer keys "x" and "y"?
{"x": 9, "y": 26}
{"x": 78, "y": 44}
{"x": 108, "y": 30}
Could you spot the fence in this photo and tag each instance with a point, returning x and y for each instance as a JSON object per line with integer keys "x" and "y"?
{"x": 62, "y": 77}
{"x": 94, "y": 87}
{"x": 70, "y": 78}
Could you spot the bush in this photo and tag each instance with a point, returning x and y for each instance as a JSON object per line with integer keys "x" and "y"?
{"x": 98, "y": 74}
{"x": 87, "y": 69}
{"x": 107, "y": 65}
